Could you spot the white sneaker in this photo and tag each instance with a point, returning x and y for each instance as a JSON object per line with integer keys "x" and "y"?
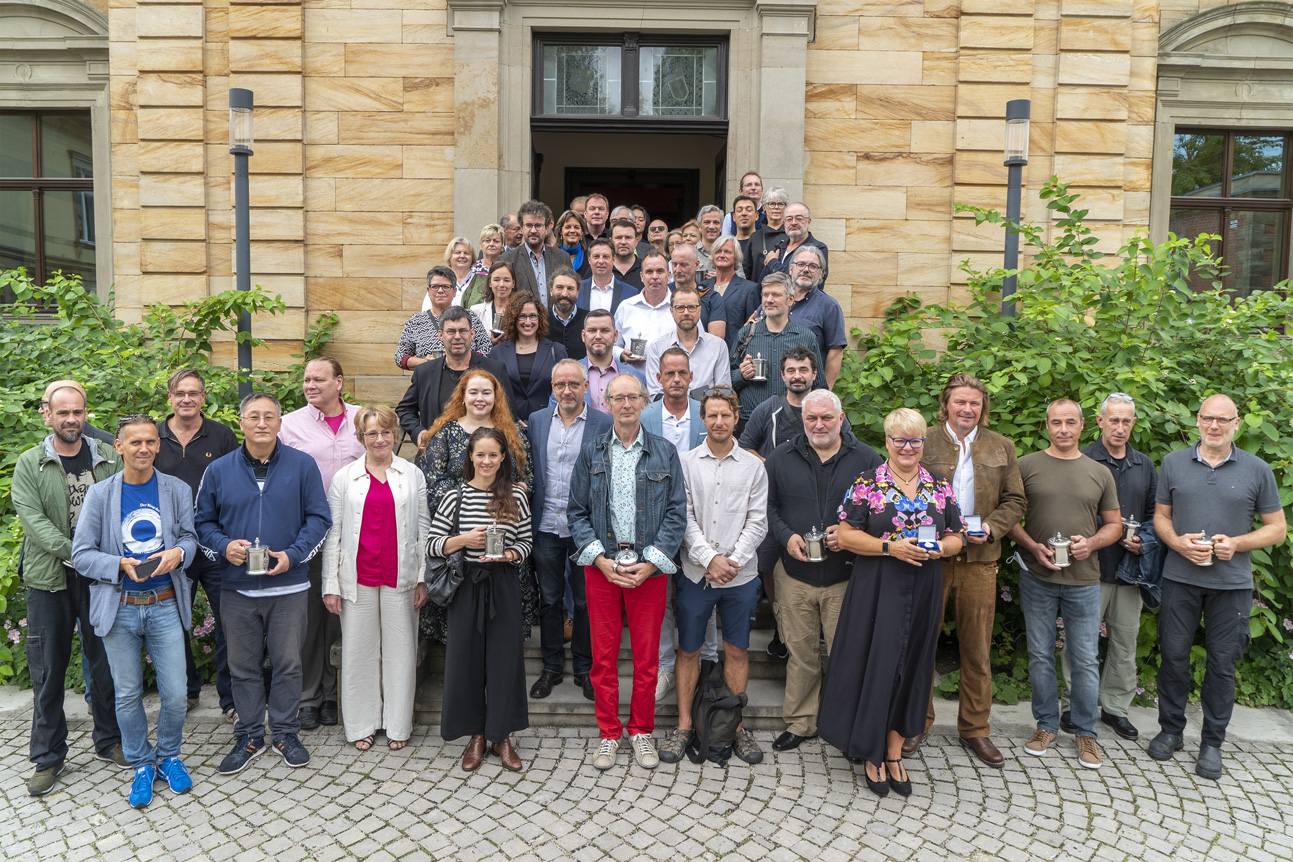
{"x": 663, "y": 685}
{"x": 644, "y": 750}
{"x": 604, "y": 758}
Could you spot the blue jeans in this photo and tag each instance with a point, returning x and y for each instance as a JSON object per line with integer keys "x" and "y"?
{"x": 158, "y": 629}
{"x": 1042, "y": 602}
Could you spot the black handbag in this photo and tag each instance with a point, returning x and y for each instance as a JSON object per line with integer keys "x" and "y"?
{"x": 444, "y": 574}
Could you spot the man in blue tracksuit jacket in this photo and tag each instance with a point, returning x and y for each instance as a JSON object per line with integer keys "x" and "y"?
{"x": 272, "y": 494}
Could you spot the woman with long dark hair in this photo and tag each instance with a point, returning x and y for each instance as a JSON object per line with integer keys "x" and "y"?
{"x": 527, "y": 353}
{"x": 484, "y": 676}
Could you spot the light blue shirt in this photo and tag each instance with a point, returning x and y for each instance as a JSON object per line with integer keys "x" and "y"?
{"x": 624, "y": 504}
{"x": 562, "y": 448}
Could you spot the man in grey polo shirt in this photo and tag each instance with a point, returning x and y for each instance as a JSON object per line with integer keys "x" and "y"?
{"x": 1212, "y": 489}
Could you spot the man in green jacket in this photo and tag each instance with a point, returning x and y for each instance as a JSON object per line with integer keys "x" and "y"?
{"x": 50, "y": 481}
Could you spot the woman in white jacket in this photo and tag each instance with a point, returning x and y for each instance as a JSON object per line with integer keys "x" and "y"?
{"x": 372, "y": 578}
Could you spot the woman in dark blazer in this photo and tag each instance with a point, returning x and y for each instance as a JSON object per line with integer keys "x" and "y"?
{"x": 527, "y": 353}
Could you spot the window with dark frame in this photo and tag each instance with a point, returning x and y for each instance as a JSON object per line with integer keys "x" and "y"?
{"x": 1235, "y": 184}
{"x": 47, "y": 195}
{"x": 654, "y": 81}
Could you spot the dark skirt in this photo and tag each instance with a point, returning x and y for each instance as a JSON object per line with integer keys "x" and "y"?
{"x": 882, "y": 661}
{"x": 433, "y": 619}
{"x": 484, "y": 658}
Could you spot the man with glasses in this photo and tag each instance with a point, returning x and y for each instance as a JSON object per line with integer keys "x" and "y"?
{"x": 797, "y": 224}
{"x": 627, "y": 515}
{"x": 713, "y": 308}
{"x": 766, "y": 339}
{"x": 656, "y": 234}
{"x": 50, "y": 482}
{"x": 1211, "y": 490}
{"x": 188, "y": 441}
{"x": 706, "y": 354}
{"x": 324, "y": 429}
{"x": 817, "y": 310}
{"x": 267, "y": 497}
{"x": 768, "y": 237}
{"x": 558, "y": 434}
{"x": 532, "y": 262}
{"x": 1072, "y": 513}
{"x": 420, "y": 340}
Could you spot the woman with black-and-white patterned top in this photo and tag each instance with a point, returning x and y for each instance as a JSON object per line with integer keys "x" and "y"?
{"x": 484, "y": 676}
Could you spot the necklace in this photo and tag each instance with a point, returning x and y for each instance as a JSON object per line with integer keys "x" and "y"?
{"x": 900, "y": 478}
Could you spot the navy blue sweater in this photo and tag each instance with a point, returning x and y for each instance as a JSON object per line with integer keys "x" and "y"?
{"x": 290, "y": 514}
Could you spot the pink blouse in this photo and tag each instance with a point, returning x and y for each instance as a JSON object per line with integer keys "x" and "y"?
{"x": 377, "y": 562}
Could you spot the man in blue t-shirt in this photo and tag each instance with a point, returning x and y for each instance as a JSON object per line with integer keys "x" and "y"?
{"x": 134, "y": 536}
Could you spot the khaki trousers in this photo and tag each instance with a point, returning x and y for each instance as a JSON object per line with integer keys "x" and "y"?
{"x": 803, "y": 613}
{"x": 975, "y": 585}
{"x": 1120, "y": 606}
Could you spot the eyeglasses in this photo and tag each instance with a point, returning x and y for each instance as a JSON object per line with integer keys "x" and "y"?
{"x": 617, "y": 400}
{"x": 776, "y": 205}
{"x": 717, "y": 390}
{"x": 188, "y": 393}
{"x": 567, "y": 384}
{"x": 440, "y": 287}
{"x": 384, "y": 434}
{"x": 904, "y": 442}
{"x": 656, "y": 229}
{"x": 811, "y": 267}
{"x": 691, "y": 308}
{"x": 527, "y": 317}
{"x": 1216, "y": 420}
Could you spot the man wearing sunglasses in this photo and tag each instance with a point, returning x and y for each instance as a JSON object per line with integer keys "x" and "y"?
{"x": 1211, "y": 490}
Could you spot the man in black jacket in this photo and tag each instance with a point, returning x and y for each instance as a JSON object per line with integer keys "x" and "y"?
{"x": 434, "y": 381}
{"x": 807, "y": 478}
{"x": 565, "y": 317}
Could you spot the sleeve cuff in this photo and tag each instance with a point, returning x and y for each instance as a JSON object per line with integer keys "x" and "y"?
{"x": 658, "y": 559}
{"x": 590, "y": 552}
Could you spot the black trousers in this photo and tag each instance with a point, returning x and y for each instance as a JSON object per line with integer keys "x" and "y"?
{"x": 1225, "y": 618}
{"x": 484, "y": 660}
{"x": 207, "y": 573}
{"x": 51, "y": 617}
{"x": 551, "y": 560}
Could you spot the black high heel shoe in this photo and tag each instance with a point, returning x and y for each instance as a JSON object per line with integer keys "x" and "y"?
{"x": 902, "y": 788}
{"x": 879, "y": 788}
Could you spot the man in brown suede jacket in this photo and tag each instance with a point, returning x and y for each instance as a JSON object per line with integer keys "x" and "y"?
{"x": 985, "y": 478}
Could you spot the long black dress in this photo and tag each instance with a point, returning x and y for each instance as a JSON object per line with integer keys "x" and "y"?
{"x": 882, "y": 659}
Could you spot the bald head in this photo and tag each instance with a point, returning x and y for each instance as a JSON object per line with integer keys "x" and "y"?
{"x": 1218, "y": 405}
{"x": 61, "y": 384}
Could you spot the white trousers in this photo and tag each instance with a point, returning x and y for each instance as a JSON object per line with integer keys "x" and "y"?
{"x": 378, "y": 662}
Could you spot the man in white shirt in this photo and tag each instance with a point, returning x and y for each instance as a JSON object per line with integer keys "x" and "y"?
{"x": 719, "y": 563}
{"x": 646, "y": 316}
{"x": 706, "y": 354}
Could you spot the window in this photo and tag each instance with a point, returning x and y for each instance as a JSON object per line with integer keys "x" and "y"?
{"x": 1235, "y": 185}
{"x": 47, "y": 194}
{"x": 630, "y": 80}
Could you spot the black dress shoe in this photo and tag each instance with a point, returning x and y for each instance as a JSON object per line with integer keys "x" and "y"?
{"x": 1120, "y": 725}
{"x": 879, "y": 788}
{"x": 1066, "y": 722}
{"x": 543, "y": 685}
{"x": 586, "y": 684}
{"x": 902, "y": 788}
{"x": 328, "y": 713}
{"x": 309, "y": 717}
{"x": 788, "y": 741}
{"x": 1163, "y": 746}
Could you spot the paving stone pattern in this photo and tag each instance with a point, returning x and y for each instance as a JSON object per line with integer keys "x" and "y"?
{"x": 808, "y": 804}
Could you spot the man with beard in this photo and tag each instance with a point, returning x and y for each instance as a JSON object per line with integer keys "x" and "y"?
{"x": 565, "y": 317}
{"x": 768, "y": 339}
{"x": 797, "y": 223}
{"x": 713, "y": 308}
{"x": 820, "y": 312}
{"x": 50, "y": 481}
{"x": 603, "y": 366}
{"x": 707, "y": 354}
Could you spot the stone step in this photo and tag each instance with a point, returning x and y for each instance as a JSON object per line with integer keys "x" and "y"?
{"x": 762, "y": 665}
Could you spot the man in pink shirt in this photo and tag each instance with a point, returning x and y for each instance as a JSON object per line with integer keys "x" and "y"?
{"x": 324, "y": 429}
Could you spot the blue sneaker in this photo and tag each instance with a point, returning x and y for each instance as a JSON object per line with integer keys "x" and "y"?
{"x": 244, "y": 750}
{"x": 141, "y": 789}
{"x": 294, "y": 753}
{"x": 175, "y": 774}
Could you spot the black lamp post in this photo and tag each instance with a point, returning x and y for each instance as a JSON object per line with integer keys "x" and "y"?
{"x": 241, "y": 103}
{"x": 1018, "y": 112}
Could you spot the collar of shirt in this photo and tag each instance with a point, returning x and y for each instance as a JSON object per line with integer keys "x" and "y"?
{"x": 556, "y": 412}
{"x": 640, "y": 299}
{"x": 611, "y": 368}
{"x": 317, "y": 415}
{"x": 1230, "y": 456}
{"x": 636, "y": 444}
{"x": 533, "y": 257}
{"x": 610, "y": 285}
{"x": 964, "y": 446}
{"x": 566, "y": 320}
{"x": 736, "y": 453}
{"x": 165, "y": 428}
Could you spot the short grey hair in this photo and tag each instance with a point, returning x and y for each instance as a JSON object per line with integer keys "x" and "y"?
{"x": 257, "y": 396}
{"x": 776, "y": 193}
{"x": 777, "y": 277}
{"x": 824, "y": 395}
{"x": 817, "y": 252}
{"x": 705, "y": 210}
{"x": 570, "y": 363}
{"x": 1117, "y": 398}
{"x": 686, "y": 248}
{"x": 641, "y": 387}
{"x": 737, "y": 254}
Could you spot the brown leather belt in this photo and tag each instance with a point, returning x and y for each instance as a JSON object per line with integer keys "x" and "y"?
{"x": 151, "y": 597}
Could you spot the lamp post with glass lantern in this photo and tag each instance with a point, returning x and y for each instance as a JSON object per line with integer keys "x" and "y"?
{"x": 241, "y": 103}
{"x": 1018, "y": 112}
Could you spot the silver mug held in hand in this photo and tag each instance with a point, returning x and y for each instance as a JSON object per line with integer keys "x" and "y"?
{"x": 497, "y": 325}
{"x": 1060, "y": 546}
{"x": 815, "y": 540}
{"x": 1130, "y": 526}
{"x": 627, "y": 556}
{"x": 257, "y": 559}
{"x": 637, "y": 348}
{"x": 1202, "y": 541}
{"x": 760, "y": 368}
{"x": 495, "y": 542}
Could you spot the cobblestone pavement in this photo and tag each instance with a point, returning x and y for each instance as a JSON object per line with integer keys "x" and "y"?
{"x": 808, "y": 804}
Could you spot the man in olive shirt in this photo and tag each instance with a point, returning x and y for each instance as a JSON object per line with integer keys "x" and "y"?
{"x": 1073, "y": 501}
{"x": 1216, "y": 489}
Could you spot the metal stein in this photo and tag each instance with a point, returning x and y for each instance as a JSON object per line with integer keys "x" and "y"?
{"x": 1130, "y": 526}
{"x": 1060, "y": 546}
{"x": 637, "y": 348}
{"x": 815, "y": 539}
{"x": 1205, "y": 541}
{"x": 760, "y": 368}
{"x": 497, "y": 325}
{"x": 257, "y": 558}
{"x": 495, "y": 542}
{"x": 627, "y": 556}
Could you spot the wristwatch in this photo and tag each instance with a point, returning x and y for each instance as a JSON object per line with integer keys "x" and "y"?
{"x": 884, "y": 547}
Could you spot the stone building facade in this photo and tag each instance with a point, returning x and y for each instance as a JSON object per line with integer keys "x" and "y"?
{"x": 385, "y": 127}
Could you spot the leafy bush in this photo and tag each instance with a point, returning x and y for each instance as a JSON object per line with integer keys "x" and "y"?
{"x": 1089, "y": 324}
{"x": 124, "y": 368}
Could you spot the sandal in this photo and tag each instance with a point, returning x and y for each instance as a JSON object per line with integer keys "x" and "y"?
{"x": 365, "y": 743}
{"x": 903, "y": 787}
{"x": 397, "y": 744}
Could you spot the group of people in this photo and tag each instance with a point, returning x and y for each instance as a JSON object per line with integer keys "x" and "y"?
{"x": 689, "y": 461}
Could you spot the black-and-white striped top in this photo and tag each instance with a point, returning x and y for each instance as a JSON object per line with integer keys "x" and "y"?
{"x": 473, "y": 515}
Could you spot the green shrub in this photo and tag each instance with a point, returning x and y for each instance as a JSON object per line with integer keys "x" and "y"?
{"x": 1089, "y": 324}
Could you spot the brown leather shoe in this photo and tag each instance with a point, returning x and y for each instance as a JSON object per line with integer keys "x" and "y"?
{"x": 507, "y": 754}
{"x": 983, "y": 749}
{"x": 911, "y": 745}
{"x": 474, "y": 754}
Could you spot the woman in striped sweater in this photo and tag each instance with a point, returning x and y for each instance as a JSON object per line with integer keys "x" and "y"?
{"x": 484, "y": 676}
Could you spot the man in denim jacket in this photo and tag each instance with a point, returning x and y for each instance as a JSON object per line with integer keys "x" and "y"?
{"x": 627, "y": 515}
